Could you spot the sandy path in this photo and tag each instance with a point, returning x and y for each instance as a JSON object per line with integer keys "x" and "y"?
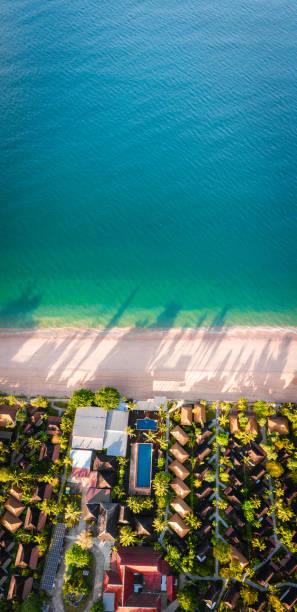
{"x": 180, "y": 363}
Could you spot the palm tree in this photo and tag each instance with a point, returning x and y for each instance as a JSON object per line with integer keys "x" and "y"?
{"x": 161, "y": 483}
{"x": 15, "y": 446}
{"x": 34, "y": 443}
{"x": 41, "y": 540}
{"x": 150, "y": 435}
{"x": 130, "y": 431}
{"x": 223, "y": 420}
{"x": 85, "y": 540}
{"x": 192, "y": 521}
{"x": 67, "y": 462}
{"x": 159, "y": 524}
{"x": 128, "y": 537}
{"x": 72, "y": 514}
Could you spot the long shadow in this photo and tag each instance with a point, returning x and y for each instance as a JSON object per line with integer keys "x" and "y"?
{"x": 118, "y": 315}
{"x": 19, "y": 312}
{"x": 167, "y": 318}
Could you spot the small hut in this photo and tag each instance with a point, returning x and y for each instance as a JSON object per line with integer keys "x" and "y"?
{"x": 14, "y": 506}
{"x": 199, "y": 414}
{"x": 278, "y": 424}
{"x": 180, "y": 435}
{"x": 19, "y": 588}
{"x": 180, "y": 488}
{"x": 179, "y": 469}
{"x": 11, "y": 522}
{"x": 27, "y": 556}
{"x": 179, "y": 452}
{"x": 234, "y": 425}
{"x": 144, "y": 525}
{"x": 186, "y": 415}
{"x": 236, "y": 555}
{"x": 180, "y": 506}
{"x": 178, "y": 525}
{"x": 252, "y": 426}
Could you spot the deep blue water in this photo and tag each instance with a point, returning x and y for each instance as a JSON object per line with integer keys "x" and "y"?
{"x": 148, "y": 162}
{"x": 146, "y": 424}
{"x": 144, "y": 463}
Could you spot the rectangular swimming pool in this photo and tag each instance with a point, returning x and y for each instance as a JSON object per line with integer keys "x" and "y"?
{"x": 144, "y": 465}
{"x": 146, "y": 424}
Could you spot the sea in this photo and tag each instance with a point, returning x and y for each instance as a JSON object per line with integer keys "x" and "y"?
{"x": 148, "y": 163}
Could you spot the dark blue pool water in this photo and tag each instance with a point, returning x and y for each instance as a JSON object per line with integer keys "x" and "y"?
{"x": 146, "y": 424}
{"x": 144, "y": 460}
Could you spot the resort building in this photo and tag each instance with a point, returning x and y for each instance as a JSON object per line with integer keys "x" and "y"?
{"x": 8, "y": 415}
{"x": 137, "y": 578}
{"x": 95, "y": 429}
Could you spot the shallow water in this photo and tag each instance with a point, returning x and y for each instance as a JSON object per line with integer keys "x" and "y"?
{"x": 148, "y": 159}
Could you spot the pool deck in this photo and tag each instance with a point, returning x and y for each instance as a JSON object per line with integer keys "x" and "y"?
{"x": 133, "y": 489}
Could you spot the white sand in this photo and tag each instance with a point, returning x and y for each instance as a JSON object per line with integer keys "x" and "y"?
{"x": 177, "y": 363}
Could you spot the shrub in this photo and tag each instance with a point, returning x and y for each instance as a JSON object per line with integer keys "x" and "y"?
{"x": 274, "y": 469}
{"x": 40, "y": 402}
{"x": 77, "y": 557}
{"x": 108, "y": 398}
{"x": 222, "y": 438}
{"x": 82, "y": 397}
{"x": 97, "y": 606}
{"x": 188, "y": 599}
{"x": 222, "y": 551}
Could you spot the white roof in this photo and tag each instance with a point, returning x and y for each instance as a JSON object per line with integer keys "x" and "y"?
{"x": 95, "y": 429}
{"x": 108, "y": 602}
{"x": 81, "y": 458}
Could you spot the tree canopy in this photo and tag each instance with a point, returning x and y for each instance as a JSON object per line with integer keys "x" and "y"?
{"x": 107, "y": 398}
{"x": 77, "y": 557}
{"x": 82, "y": 397}
{"x": 188, "y": 599}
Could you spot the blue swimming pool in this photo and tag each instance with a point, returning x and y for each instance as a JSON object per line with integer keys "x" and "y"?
{"x": 144, "y": 465}
{"x": 146, "y": 424}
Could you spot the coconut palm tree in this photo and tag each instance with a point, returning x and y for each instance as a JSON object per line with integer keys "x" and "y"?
{"x": 34, "y": 443}
{"x": 15, "y": 446}
{"x": 161, "y": 483}
{"x": 41, "y": 540}
{"x": 128, "y": 537}
{"x": 130, "y": 431}
{"x": 71, "y": 514}
{"x": 150, "y": 435}
{"x": 85, "y": 540}
{"x": 159, "y": 524}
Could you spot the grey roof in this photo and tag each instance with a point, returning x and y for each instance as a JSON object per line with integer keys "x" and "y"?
{"x": 108, "y": 602}
{"x": 94, "y": 428}
{"x": 53, "y": 558}
{"x": 89, "y": 427}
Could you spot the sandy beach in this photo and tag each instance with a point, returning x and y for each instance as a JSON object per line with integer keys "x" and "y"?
{"x": 216, "y": 363}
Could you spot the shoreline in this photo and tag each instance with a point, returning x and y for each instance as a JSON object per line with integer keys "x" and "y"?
{"x": 181, "y": 363}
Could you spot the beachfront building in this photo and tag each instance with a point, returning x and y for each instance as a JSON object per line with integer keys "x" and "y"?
{"x": 95, "y": 429}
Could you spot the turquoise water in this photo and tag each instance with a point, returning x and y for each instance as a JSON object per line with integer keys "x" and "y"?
{"x": 144, "y": 463}
{"x": 148, "y": 163}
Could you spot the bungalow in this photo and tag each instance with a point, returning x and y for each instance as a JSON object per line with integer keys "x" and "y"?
{"x": 265, "y": 573}
{"x": 179, "y": 452}
{"x": 14, "y": 506}
{"x": 205, "y": 490}
{"x": 125, "y": 515}
{"x": 180, "y": 488}
{"x": 212, "y": 595}
{"x": 95, "y": 429}
{"x": 144, "y": 525}
{"x": 232, "y": 595}
{"x": 109, "y": 522}
{"x": 179, "y": 543}
{"x": 8, "y": 415}
{"x": 11, "y": 522}
{"x": 6, "y": 541}
{"x": 106, "y": 480}
{"x": 137, "y": 578}
{"x": 35, "y": 519}
{"x": 289, "y": 599}
{"x": 233, "y": 497}
{"x": 95, "y": 497}
{"x": 234, "y": 424}
{"x": 201, "y": 469}
{"x": 177, "y": 524}
{"x": 203, "y": 549}
{"x": 289, "y": 564}
{"x": 49, "y": 452}
{"x": 204, "y": 509}
{"x": 252, "y": 426}
{"x": 180, "y": 506}
{"x": 180, "y": 435}
{"x": 199, "y": 414}
{"x": 234, "y": 517}
{"x": 104, "y": 463}
{"x": 186, "y": 415}
{"x": 203, "y": 451}
{"x": 278, "y": 424}
{"x": 43, "y": 491}
{"x": 204, "y": 529}
{"x": 257, "y": 472}
{"x": 236, "y": 555}
{"x": 179, "y": 469}
{"x": 206, "y": 432}
{"x": 27, "y": 556}
{"x": 20, "y": 587}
